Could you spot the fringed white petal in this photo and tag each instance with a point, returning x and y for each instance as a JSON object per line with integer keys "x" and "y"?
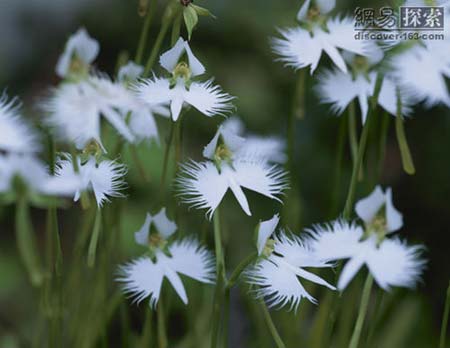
{"x": 15, "y": 133}
{"x": 394, "y": 263}
{"x": 268, "y": 180}
{"x": 335, "y": 241}
{"x": 277, "y": 285}
{"x": 265, "y": 230}
{"x": 210, "y": 100}
{"x": 192, "y": 260}
{"x": 297, "y": 48}
{"x": 142, "y": 278}
{"x": 155, "y": 91}
{"x": 202, "y": 186}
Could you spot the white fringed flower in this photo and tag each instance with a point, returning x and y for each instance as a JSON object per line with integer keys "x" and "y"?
{"x": 15, "y": 134}
{"x": 105, "y": 179}
{"x": 203, "y": 186}
{"x": 143, "y": 277}
{"x": 380, "y": 203}
{"x": 339, "y": 89}
{"x": 80, "y": 48}
{"x": 163, "y": 225}
{"x": 210, "y": 100}
{"x": 35, "y": 175}
{"x": 324, "y": 6}
{"x": 271, "y": 148}
{"x": 277, "y": 276}
{"x": 391, "y": 262}
{"x": 300, "y": 48}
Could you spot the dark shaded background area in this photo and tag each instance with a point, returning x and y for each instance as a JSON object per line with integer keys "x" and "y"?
{"x": 236, "y": 51}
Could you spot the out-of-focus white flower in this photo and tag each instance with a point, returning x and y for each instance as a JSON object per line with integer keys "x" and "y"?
{"x": 324, "y": 6}
{"x": 391, "y": 262}
{"x": 170, "y": 59}
{"x": 130, "y": 72}
{"x": 421, "y": 72}
{"x": 35, "y": 175}
{"x": 105, "y": 179}
{"x": 339, "y": 89}
{"x": 277, "y": 276}
{"x": 15, "y": 134}
{"x": 379, "y": 203}
{"x": 143, "y": 277}
{"x": 180, "y": 89}
{"x": 163, "y": 225}
{"x": 80, "y": 50}
{"x": 300, "y": 48}
{"x": 203, "y": 185}
{"x": 269, "y": 148}
{"x": 265, "y": 230}
{"x": 229, "y": 138}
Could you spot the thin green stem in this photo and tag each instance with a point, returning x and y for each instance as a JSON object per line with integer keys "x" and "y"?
{"x": 220, "y": 271}
{"x": 386, "y": 119}
{"x": 445, "y": 319}
{"x": 352, "y": 131}
{"x": 240, "y": 268}
{"x": 166, "y": 158}
{"x": 140, "y": 166}
{"x": 26, "y": 242}
{"x": 162, "y": 336}
{"x": 144, "y": 31}
{"x": 167, "y": 20}
{"x": 147, "y": 329}
{"x": 176, "y": 28}
{"x": 338, "y": 167}
{"x": 272, "y": 329}
{"x": 362, "y": 312}
{"x": 92, "y": 250}
{"x": 407, "y": 161}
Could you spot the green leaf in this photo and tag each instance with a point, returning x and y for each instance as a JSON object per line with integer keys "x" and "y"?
{"x": 201, "y": 11}
{"x": 190, "y": 19}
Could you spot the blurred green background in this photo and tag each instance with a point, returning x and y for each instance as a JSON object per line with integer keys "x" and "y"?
{"x": 235, "y": 48}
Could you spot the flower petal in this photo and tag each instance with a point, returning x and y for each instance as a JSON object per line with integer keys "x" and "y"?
{"x": 141, "y": 236}
{"x": 208, "y": 99}
{"x": 349, "y": 271}
{"x": 265, "y": 230}
{"x": 162, "y": 223}
{"x": 369, "y": 206}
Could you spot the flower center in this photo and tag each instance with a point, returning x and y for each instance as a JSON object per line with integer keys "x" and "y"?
{"x": 269, "y": 248}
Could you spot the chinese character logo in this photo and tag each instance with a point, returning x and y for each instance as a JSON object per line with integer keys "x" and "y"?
{"x": 425, "y": 18}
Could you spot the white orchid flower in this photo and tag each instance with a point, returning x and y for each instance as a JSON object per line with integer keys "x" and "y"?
{"x": 278, "y": 275}
{"x": 81, "y": 48}
{"x": 105, "y": 179}
{"x": 300, "y": 48}
{"x": 179, "y": 90}
{"x": 143, "y": 277}
{"x": 379, "y": 202}
{"x": 130, "y": 72}
{"x": 15, "y": 133}
{"x": 391, "y": 262}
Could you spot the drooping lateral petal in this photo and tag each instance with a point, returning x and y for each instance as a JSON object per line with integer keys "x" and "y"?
{"x": 394, "y": 263}
{"x": 388, "y": 98}
{"x": 332, "y": 51}
{"x": 192, "y": 260}
{"x": 237, "y": 190}
{"x": 142, "y": 278}
{"x": 201, "y": 185}
{"x": 268, "y": 180}
{"x": 118, "y": 123}
{"x": 176, "y": 283}
{"x": 210, "y": 100}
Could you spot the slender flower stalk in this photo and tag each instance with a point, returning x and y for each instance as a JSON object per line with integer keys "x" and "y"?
{"x": 445, "y": 316}
{"x": 407, "y": 161}
{"x": 145, "y": 29}
{"x": 272, "y": 328}
{"x": 354, "y": 341}
{"x": 162, "y": 334}
{"x": 92, "y": 251}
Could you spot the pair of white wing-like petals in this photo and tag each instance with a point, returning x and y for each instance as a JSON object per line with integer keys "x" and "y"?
{"x": 299, "y": 48}
{"x": 339, "y": 89}
{"x": 75, "y": 110}
{"x": 143, "y": 278}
